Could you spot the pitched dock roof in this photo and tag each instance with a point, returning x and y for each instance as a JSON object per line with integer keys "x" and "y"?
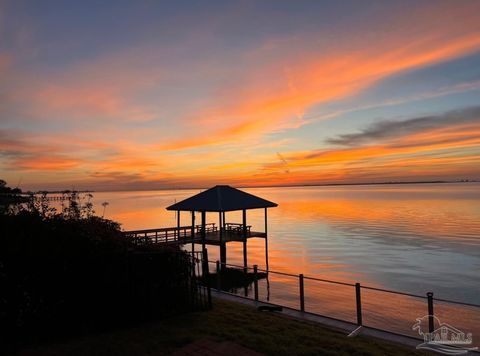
{"x": 222, "y": 198}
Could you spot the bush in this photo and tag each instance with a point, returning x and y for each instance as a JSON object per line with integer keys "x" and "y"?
{"x": 61, "y": 274}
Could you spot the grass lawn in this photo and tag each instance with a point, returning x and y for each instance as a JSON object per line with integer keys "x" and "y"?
{"x": 263, "y": 332}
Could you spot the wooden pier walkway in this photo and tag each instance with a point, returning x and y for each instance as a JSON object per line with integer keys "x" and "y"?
{"x": 183, "y": 234}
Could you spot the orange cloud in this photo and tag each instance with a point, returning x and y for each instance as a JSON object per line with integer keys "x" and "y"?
{"x": 126, "y": 162}
{"x": 277, "y": 93}
{"x": 27, "y": 152}
{"x": 449, "y": 152}
{"x": 427, "y": 148}
{"x": 46, "y": 163}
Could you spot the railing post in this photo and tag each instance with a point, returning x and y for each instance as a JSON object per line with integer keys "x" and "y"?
{"x": 219, "y": 282}
{"x": 302, "y": 292}
{"x": 206, "y": 276}
{"x": 431, "y": 324}
{"x": 359, "y": 303}
{"x": 255, "y": 281}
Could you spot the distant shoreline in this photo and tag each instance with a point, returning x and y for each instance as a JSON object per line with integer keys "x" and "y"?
{"x": 58, "y": 192}
{"x": 368, "y": 183}
{"x": 283, "y": 186}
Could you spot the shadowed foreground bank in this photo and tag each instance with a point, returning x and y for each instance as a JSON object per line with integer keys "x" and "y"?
{"x": 263, "y": 332}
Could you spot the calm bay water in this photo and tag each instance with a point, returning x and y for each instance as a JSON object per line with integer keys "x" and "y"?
{"x": 411, "y": 238}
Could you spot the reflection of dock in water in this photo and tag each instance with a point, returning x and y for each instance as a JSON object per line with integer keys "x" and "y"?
{"x": 234, "y": 279}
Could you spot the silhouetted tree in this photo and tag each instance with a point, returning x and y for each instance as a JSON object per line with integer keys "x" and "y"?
{"x": 39, "y": 204}
{"x": 10, "y": 198}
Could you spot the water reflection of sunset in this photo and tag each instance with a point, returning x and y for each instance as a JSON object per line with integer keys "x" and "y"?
{"x": 357, "y": 233}
{"x": 414, "y": 238}
{"x": 409, "y": 216}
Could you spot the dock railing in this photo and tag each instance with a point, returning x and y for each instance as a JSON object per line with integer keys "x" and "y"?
{"x": 397, "y": 312}
{"x": 167, "y": 234}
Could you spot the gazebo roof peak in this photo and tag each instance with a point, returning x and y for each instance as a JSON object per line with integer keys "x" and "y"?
{"x": 222, "y": 198}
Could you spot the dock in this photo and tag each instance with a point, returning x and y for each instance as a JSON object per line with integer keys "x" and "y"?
{"x": 217, "y": 200}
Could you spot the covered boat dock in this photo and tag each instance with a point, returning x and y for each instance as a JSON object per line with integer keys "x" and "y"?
{"x": 219, "y": 200}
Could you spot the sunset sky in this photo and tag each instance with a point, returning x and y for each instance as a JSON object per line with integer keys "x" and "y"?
{"x": 150, "y": 94}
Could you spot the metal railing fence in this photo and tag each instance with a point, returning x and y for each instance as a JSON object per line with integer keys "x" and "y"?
{"x": 379, "y": 308}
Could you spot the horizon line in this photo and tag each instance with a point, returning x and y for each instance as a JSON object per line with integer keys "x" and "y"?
{"x": 269, "y": 186}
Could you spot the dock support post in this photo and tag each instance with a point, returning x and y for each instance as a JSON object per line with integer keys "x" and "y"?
{"x": 178, "y": 225}
{"x": 245, "y": 254}
{"x": 266, "y": 253}
{"x": 223, "y": 246}
{"x": 193, "y": 234}
{"x": 359, "y": 303}
{"x": 302, "y": 292}
{"x": 266, "y": 241}
{"x": 431, "y": 324}
{"x": 223, "y": 255}
{"x": 244, "y": 233}
{"x": 204, "y": 232}
{"x": 244, "y": 222}
{"x": 255, "y": 281}
{"x": 220, "y": 227}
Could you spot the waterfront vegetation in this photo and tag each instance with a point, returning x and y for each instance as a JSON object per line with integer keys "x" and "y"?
{"x": 68, "y": 272}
